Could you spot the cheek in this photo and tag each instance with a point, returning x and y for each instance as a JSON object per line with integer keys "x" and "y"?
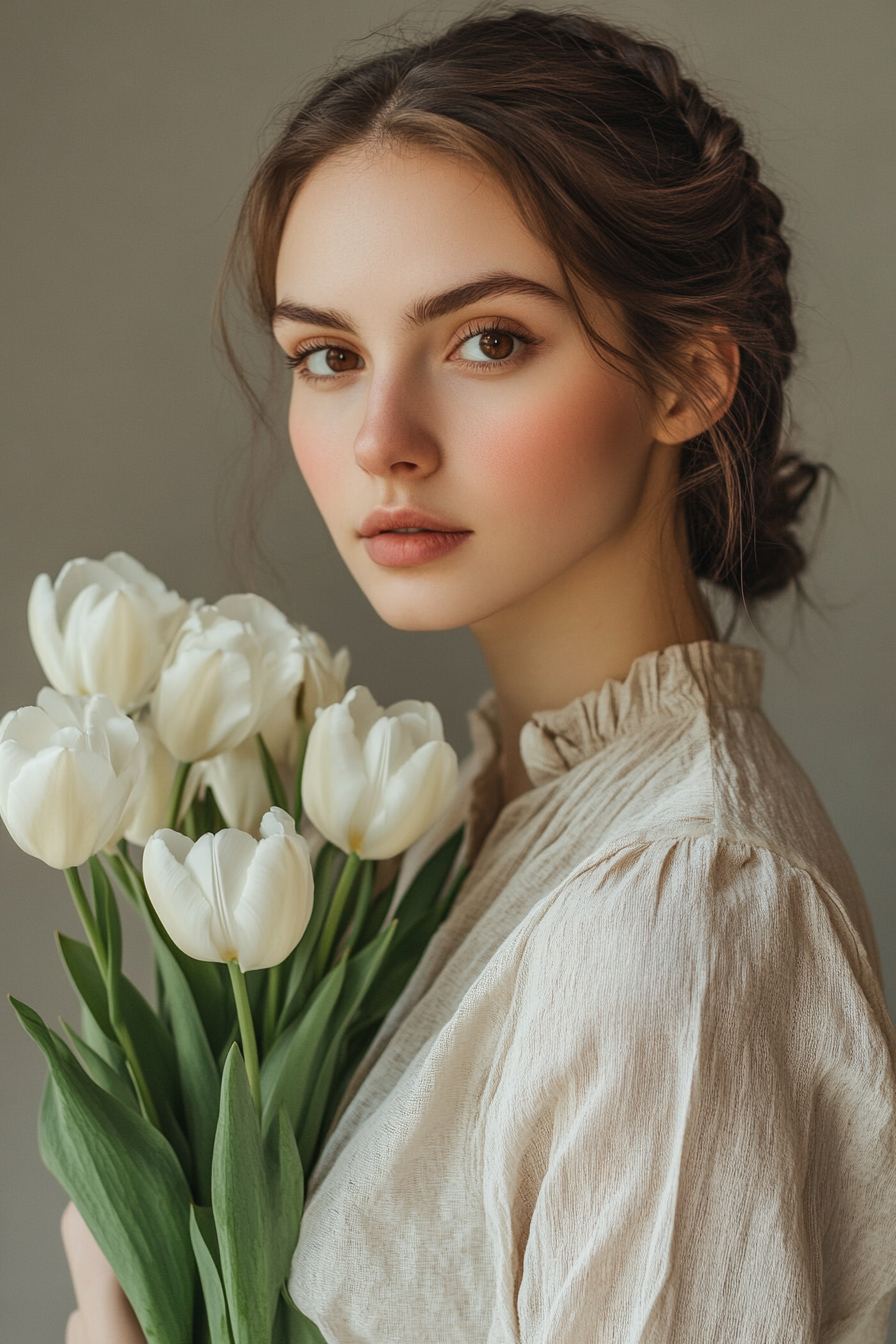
{"x": 570, "y": 462}
{"x": 319, "y": 450}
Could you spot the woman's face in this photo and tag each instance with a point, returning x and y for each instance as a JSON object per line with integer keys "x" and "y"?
{"x": 463, "y": 442}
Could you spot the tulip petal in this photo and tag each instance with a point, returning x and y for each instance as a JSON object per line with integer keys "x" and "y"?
{"x": 203, "y": 704}
{"x": 46, "y": 637}
{"x": 64, "y": 806}
{"x": 238, "y": 782}
{"x": 275, "y": 906}
{"x": 423, "y": 718}
{"x": 179, "y": 901}
{"x": 334, "y": 779}
{"x": 219, "y": 863}
{"x": 413, "y": 798}
{"x": 121, "y": 652}
{"x": 65, "y": 711}
{"x": 148, "y": 808}
{"x": 364, "y": 711}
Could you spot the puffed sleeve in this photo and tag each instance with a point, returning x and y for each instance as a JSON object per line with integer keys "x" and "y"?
{"x": 690, "y": 1138}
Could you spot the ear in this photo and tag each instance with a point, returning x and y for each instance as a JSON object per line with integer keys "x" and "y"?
{"x": 703, "y": 392}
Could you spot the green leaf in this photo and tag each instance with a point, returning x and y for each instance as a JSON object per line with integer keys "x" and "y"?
{"x": 272, "y": 776}
{"x": 210, "y": 988}
{"x": 410, "y": 943}
{"x": 99, "y": 1042}
{"x": 242, "y": 1209}
{"x": 357, "y": 918}
{"x": 377, "y": 913}
{"x": 171, "y": 1128}
{"x": 208, "y": 981}
{"x": 339, "y": 911}
{"x": 199, "y": 1078}
{"x": 109, "y": 921}
{"x": 298, "y": 985}
{"x": 360, "y": 973}
{"x": 87, "y": 979}
{"x": 288, "y": 1071}
{"x": 102, "y": 1072}
{"x": 204, "y": 1237}
{"x": 286, "y": 1192}
{"x": 153, "y": 1043}
{"x": 126, "y": 1181}
{"x": 420, "y": 898}
{"x": 292, "y": 1326}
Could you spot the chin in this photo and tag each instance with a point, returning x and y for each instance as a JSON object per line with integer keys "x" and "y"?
{"x": 421, "y": 608}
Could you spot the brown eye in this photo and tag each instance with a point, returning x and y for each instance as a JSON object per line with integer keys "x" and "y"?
{"x": 340, "y": 360}
{"x": 496, "y": 344}
{"x": 330, "y": 359}
{"x": 490, "y": 346}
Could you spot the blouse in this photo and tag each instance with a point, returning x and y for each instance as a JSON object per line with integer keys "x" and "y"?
{"x": 641, "y": 1088}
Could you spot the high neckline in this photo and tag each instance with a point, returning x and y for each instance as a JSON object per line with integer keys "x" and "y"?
{"x": 666, "y": 684}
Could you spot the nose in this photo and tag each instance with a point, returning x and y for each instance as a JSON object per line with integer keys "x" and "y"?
{"x": 395, "y": 438}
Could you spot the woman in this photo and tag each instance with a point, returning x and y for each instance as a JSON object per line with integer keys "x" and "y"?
{"x": 534, "y": 296}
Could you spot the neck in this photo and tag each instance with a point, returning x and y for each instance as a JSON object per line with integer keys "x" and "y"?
{"x": 632, "y": 595}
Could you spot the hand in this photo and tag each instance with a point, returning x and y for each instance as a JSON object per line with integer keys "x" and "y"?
{"x": 104, "y": 1315}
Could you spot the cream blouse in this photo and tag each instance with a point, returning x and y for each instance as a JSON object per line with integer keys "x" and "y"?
{"x": 641, "y": 1087}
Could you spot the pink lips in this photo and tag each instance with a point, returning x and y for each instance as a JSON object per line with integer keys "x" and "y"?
{"x": 399, "y": 538}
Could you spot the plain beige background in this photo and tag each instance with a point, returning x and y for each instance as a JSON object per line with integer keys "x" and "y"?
{"x": 129, "y": 131}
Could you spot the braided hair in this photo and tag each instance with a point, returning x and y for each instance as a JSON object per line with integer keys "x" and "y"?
{"x": 642, "y": 187}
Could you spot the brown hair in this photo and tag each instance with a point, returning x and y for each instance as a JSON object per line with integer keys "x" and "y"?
{"x": 642, "y": 188}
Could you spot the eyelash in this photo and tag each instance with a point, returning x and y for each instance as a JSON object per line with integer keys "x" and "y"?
{"x": 296, "y": 361}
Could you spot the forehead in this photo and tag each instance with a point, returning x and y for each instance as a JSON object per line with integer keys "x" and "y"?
{"x": 402, "y": 222}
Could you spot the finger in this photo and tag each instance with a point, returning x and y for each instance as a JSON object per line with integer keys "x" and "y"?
{"x": 91, "y": 1272}
{"x": 74, "y": 1333}
{"x": 104, "y": 1314}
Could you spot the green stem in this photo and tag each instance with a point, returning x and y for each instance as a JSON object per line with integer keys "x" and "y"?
{"x": 272, "y": 1005}
{"x": 91, "y": 928}
{"x": 247, "y": 1030}
{"x": 276, "y": 791}
{"x": 121, "y": 866}
{"x": 334, "y": 914}
{"x": 88, "y": 919}
{"x": 368, "y": 877}
{"x": 177, "y": 793}
{"x": 144, "y": 1096}
{"x": 300, "y": 766}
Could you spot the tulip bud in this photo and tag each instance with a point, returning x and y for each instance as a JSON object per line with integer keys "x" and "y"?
{"x": 68, "y": 768}
{"x": 322, "y": 683}
{"x": 104, "y": 628}
{"x": 238, "y": 782}
{"x": 231, "y": 898}
{"x": 148, "y": 809}
{"x": 230, "y": 665}
{"x": 376, "y": 779}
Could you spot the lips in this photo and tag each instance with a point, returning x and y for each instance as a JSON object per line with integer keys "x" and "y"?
{"x": 400, "y": 538}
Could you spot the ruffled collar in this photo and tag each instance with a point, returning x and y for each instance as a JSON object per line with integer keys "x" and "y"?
{"x": 670, "y": 684}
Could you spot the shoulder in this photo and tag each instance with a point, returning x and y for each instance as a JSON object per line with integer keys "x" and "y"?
{"x": 659, "y": 930}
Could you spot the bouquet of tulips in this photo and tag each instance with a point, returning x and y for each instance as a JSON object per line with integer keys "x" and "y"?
{"x": 270, "y": 807}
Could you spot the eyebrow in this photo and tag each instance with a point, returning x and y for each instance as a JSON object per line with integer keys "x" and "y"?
{"x": 424, "y": 310}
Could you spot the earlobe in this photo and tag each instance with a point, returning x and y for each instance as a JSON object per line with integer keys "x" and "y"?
{"x": 703, "y": 393}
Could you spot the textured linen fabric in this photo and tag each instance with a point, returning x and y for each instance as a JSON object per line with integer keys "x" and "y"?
{"x": 641, "y": 1087}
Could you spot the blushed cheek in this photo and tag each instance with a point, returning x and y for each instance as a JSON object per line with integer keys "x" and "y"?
{"x": 318, "y": 460}
{"x": 572, "y": 462}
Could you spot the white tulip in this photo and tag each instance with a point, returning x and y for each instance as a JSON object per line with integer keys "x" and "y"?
{"x": 149, "y": 803}
{"x": 322, "y": 683}
{"x": 376, "y": 779}
{"x": 104, "y": 627}
{"x": 229, "y": 667}
{"x": 231, "y": 898}
{"x": 238, "y": 782}
{"x": 68, "y": 768}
